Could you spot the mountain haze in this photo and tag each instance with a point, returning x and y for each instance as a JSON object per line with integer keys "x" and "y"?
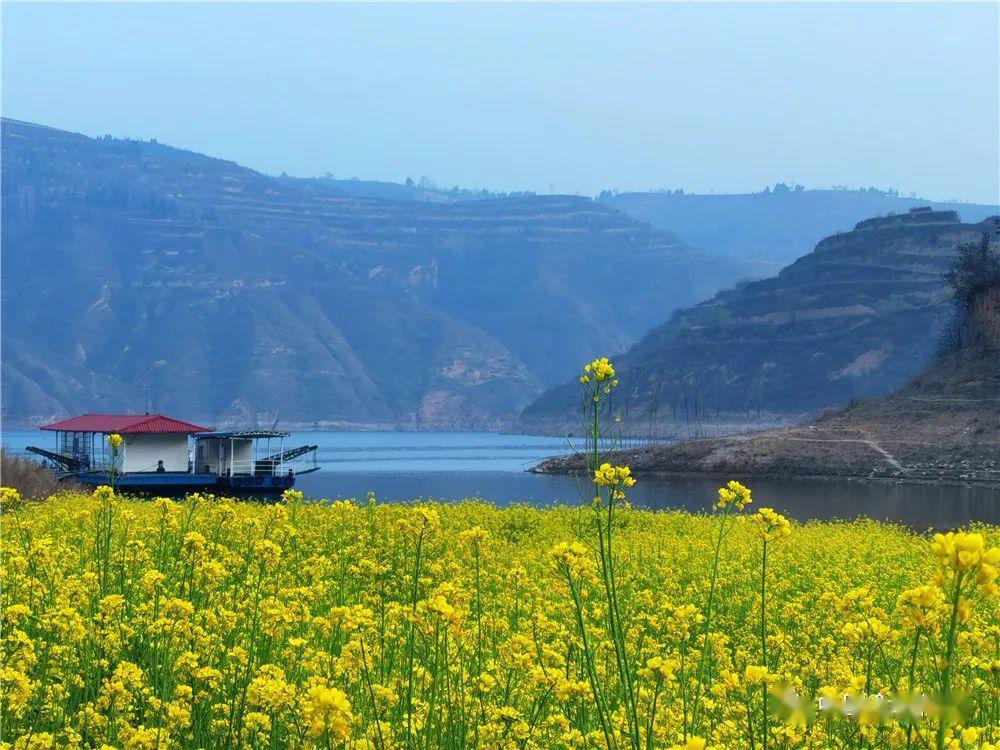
{"x": 244, "y": 298}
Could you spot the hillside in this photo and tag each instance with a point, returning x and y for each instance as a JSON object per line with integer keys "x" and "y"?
{"x": 942, "y": 424}
{"x": 245, "y": 298}
{"x": 856, "y": 317}
{"x": 777, "y": 226}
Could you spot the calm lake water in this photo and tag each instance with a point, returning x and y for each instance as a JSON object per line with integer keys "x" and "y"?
{"x": 399, "y": 466}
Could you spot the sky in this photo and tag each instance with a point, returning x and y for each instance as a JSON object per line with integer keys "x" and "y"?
{"x": 544, "y": 97}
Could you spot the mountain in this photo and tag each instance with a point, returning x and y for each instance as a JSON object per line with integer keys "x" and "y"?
{"x": 244, "y": 298}
{"x": 858, "y": 316}
{"x": 942, "y": 424}
{"x": 778, "y": 225}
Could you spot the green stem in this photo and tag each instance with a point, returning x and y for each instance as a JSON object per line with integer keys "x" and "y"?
{"x": 949, "y": 654}
{"x": 614, "y": 624}
{"x": 913, "y": 667}
{"x": 703, "y": 661}
{"x": 588, "y": 656}
{"x": 763, "y": 637}
{"x": 371, "y": 693}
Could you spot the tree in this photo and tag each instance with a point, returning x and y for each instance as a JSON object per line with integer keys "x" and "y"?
{"x": 976, "y": 269}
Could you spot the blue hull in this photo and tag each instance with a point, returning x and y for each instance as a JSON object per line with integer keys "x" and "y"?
{"x": 175, "y": 484}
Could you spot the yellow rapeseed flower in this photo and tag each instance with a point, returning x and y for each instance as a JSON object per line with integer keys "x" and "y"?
{"x": 9, "y": 498}
{"x": 607, "y": 475}
{"x": 771, "y": 525}
{"x": 327, "y": 712}
{"x": 733, "y": 495}
{"x": 600, "y": 369}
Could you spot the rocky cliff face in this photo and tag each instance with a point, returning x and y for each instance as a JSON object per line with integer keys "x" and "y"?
{"x": 857, "y": 317}
{"x": 244, "y": 298}
{"x": 982, "y": 324}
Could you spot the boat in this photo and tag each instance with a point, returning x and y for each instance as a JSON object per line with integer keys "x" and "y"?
{"x": 167, "y": 457}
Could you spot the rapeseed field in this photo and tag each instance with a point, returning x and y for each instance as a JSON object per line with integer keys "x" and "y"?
{"x": 211, "y": 623}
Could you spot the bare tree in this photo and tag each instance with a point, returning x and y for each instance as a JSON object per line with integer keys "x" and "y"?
{"x": 975, "y": 270}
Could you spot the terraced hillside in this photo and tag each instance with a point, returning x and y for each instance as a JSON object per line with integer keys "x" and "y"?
{"x": 856, "y": 317}
{"x": 247, "y": 298}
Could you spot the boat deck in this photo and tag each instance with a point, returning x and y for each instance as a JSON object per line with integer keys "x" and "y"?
{"x": 173, "y": 484}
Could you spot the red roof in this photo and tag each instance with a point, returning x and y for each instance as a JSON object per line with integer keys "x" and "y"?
{"x": 124, "y": 423}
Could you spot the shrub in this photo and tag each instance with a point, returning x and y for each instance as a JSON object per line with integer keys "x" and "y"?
{"x": 30, "y": 478}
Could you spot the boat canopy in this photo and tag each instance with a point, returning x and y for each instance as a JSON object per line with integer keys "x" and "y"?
{"x": 241, "y": 434}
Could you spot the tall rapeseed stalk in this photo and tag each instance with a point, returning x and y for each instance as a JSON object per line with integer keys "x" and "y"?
{"x": 733, "y": 498}
{"x": 772, "y": 527}
{"x": 608, "y": 485}
{"x": 115, "y": 447}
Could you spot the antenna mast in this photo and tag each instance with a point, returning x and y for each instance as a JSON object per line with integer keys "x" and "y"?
{"x": 146, "y": 386}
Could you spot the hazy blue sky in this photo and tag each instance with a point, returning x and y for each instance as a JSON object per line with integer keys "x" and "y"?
{"x": 570, "y": 97}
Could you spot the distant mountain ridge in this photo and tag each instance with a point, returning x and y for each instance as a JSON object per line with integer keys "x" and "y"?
{"x": 422, "y": 191}
{"x": 856, "y": 317}
{"x": 246, "y": 299}
{"x": 777, "y": 226}
{"x": 774, "y": 226}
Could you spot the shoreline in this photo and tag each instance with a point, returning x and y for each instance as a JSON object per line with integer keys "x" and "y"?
{"x": 942, "y": 481}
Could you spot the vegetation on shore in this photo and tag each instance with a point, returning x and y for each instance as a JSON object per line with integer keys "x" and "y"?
{"x": 30, "y": 478}
{"x": 214, "y": 623}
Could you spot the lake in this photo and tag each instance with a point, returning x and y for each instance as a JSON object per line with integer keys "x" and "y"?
{"x": 400, "y": 466}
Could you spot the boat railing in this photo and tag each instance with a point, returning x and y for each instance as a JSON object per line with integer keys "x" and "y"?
{"x": 259, "y": 467}
{"x": 97, "y": 467}
{"x": 265, "y": 467}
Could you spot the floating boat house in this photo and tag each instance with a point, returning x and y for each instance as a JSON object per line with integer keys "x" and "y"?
{"x": 166, "y": 456}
